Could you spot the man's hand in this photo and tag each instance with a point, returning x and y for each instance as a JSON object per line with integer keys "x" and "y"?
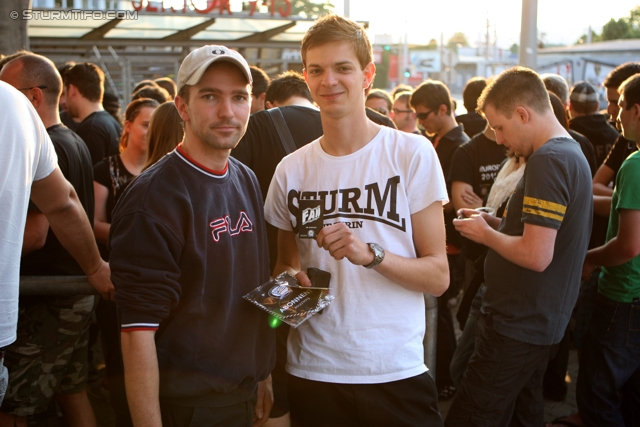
{"x": 473, "y": 226}
{"x": 341, "y": 243}
{"x": 101, "y": 281}
{"x": 264, "y": 403}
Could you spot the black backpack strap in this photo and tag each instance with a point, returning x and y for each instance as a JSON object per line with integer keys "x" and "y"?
{"x": 283, "y": 130}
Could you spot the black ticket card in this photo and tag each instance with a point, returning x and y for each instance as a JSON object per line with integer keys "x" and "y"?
{"x": 310, "y": 218}
{"x": 285, "y": 299}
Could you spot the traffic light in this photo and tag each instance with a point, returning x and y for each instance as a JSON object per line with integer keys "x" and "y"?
{"x": 407, "y": 72}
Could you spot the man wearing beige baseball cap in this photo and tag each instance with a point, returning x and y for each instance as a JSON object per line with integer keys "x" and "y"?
{"x": 187, "y": 241}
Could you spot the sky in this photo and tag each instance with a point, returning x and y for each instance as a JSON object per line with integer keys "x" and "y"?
{"x": 561, "y": 21}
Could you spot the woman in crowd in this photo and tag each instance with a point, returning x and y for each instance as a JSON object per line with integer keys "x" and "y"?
{"x": 165, "y": 132}
{"x": 111, "y": 177}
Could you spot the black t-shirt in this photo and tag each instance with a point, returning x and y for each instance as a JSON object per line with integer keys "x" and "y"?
{"x": 261, "y": 149}
{"x": 600, "y": 133}
{"x": 477, "y": 163}
{"x": 112, "y": 174}
{"x": 75, "y": 163}
{"x": 587, "y": 149}
{"x": 621, "y": 149}
{"x": 447, "y": 146}
{"x": 101, "y": 132}
{"x": 66, "y": 120}
{"x": 473, "y": 123}
{"x": 555, "y": 192}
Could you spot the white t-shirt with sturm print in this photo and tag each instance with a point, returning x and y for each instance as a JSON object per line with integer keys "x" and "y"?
{"x": 372, "y": 332}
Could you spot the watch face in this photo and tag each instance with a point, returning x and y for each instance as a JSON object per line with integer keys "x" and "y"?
{"x": 378, "y": 255}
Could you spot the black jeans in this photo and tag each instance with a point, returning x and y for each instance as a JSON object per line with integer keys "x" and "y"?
{"x": 502, "y": 385}
{"x": 412, "y": 402}
{"x": 610, "y": 359}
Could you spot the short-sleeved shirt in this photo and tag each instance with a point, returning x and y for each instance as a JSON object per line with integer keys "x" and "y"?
{"x": 27, "y": 155}
{"x": 74, "y": 161}
{"x": 372, "y": 332}
{"x": 113, "y": 174}
{"x": 554, "y": 192}
{"x": 622, "y": 282}
{"x": 101, "y": 132}
{"x": 447, "y": 146}
{"x": 619, "y": 152}
{"x": 477, "y": 163}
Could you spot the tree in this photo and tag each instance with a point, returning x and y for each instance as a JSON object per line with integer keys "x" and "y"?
{"x": 514, "y": 49}
{"x": 458, "y": 38}
{"x": 433, "y": 45}
{"x": 309, "y": 8}
{"x": 595, "y": 37}
{"x": 615, "y": 30}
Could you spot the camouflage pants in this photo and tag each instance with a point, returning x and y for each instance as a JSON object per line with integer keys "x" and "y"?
{"x": 50, "y": 354}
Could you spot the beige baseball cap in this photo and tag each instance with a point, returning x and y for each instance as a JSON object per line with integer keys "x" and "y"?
{"x": 196, "y": 63}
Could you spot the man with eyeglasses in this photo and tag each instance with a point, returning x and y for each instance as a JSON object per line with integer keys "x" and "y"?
{"x": 434, "y": 112}
{"x": 403, "y": 115}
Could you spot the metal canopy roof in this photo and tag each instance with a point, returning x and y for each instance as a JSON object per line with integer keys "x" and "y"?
{"x": 166, "y": 29}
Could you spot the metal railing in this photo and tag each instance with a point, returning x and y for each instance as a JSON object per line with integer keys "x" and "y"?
{"x": 78, "y": 285}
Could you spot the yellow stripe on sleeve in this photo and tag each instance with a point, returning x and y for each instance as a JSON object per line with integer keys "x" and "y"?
{"x": 542, "y": 213}
{"x": 544, "y": 204}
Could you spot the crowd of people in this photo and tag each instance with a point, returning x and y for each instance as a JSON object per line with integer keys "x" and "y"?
{"x": 522, "y": 213}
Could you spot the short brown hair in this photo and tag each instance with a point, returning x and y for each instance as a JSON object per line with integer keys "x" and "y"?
{"x": 286, "y": 85}
{"x": 431, "y": 94}
{"x": 621, "y": 73}
{"x": 334, "y": 28}
{"x": 88, "y": 78}
{"x": 37, "y": 70}
{"x": 513, "y": 87}
{"x": 630, "y": 89}
{"x": 381, "y": 94}
{"x": 167, "y": 84}
{"x": 472, "y": 91}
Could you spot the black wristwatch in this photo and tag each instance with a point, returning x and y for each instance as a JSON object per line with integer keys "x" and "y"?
{"x": 378, "y": 255}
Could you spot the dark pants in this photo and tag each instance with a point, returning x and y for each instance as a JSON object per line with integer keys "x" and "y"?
{"x": 110, "y": 331}
{"x": 279, "y": 376}
{"x": 412, "y": 402}
{"x": 446, "y": 334}
{"x": 502, "y": 385}
{"x": 238, "y": 415}
{"x": 610, "y": 358}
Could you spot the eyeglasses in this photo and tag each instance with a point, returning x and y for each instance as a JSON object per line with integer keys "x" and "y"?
{"x": 423, "y": 116}
{"x": 381, "y": 110}
{"x": 33, "y": 87}
{"x": 397, "y": 111}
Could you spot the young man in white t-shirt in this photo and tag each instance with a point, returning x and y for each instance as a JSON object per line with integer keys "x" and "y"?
{"x": 361, "y": 361}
